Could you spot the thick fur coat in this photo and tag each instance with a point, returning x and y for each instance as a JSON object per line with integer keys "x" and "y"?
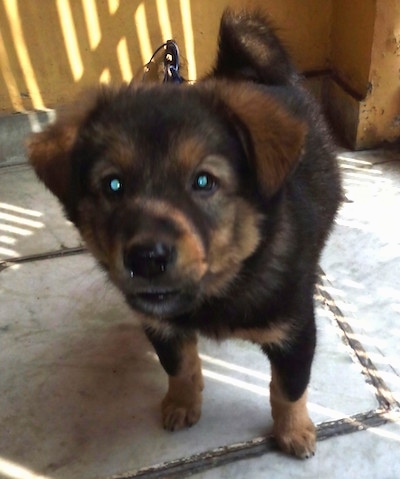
{"x": 208, "y": 206}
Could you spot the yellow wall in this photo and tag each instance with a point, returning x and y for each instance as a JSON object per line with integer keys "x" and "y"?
{"x": 380, "y": 110}
{"x": 51, "y": 49}
{"x": 364, "y": 91}
{"x": 352, "y": 36}
{"x": 304, "y": 26}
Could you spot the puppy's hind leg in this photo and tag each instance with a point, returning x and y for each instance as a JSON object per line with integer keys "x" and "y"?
{"x": 178, "y": 355}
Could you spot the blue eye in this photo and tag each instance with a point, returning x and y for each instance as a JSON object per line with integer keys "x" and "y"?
{"x": 112, "y": 186}
{"x": 204, "y": 182}
{"x": 115, "y": 185}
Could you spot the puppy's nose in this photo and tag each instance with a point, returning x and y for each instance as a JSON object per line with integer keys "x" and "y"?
{"x": 149, "y": 260}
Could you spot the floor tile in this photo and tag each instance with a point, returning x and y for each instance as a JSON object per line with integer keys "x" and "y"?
{"x": 81, "y": 386}
{"x": 362, "y": 258}
{"x": 31, "y": 219}
{"x": 14, "y": 131}
{"x": 371, "y": 454}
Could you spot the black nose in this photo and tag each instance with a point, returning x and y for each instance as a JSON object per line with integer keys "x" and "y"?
{"x": 149, "y": 260}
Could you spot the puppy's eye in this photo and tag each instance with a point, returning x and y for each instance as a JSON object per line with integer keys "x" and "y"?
{"x": 112, "y": 186}
{"x": 205, "y": 182}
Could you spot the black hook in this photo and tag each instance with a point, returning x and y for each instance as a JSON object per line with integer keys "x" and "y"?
{"x": 171, "y": 63}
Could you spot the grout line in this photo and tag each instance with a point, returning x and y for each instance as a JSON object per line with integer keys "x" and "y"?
{"x": 197, "y": 463}
{"x": 187, "y": 466}
{"x": 7, "y": 263}
{"x": 382, "y": 392}
{"x": 388, "y": 410}
{"x": 15, "y": 164}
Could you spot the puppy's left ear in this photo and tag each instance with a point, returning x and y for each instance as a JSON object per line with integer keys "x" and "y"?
{"x": 277, "y": 137}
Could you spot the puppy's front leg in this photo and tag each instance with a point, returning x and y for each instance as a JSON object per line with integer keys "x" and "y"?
{"x": 290, "y": 367}
{"x": 178, "y": 355}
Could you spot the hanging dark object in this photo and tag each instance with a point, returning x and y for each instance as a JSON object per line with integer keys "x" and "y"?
{"x": 163, "y": 65}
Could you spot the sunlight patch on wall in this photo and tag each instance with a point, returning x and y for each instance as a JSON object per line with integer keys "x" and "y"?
{"x": 146, "y": 49}
{"x": 123, "y": 60}
{"x": 14, "y": 20}
{"x": 70, "y": 38}
{"x": 92, "y": 22}
{"x": 113, "y": 6}
{"x": 189, "y": 38}
{"x": 9, "y": 78}
{"x": 105, "y": 76}
{"x": 164, "y": 19}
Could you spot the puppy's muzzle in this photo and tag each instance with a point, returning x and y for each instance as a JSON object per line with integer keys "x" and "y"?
{"x": 155, "y": 286}
{"x": 149, "y": 261}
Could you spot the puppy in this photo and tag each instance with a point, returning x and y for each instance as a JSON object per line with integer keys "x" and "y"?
{"x": 208, "y": 206}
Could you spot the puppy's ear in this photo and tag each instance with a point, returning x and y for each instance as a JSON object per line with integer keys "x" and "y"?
{"x": 49, "y": 151}
{"x": 276, "y": 136}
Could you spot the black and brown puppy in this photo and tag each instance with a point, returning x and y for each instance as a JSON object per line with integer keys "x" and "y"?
{"x": 208, "y": 206}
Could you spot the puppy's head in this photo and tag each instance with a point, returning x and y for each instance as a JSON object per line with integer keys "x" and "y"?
{"x": 166, "y": 183}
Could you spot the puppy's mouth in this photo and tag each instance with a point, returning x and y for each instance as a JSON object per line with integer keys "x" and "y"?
{"x": 160, "y": 302}
{"x": 157, "y": 297}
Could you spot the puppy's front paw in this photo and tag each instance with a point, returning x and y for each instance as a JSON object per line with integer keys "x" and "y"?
{"x": 293, "y": 429}
{"x": 178, "y": 413}
{"x": 181, "y": 406}
{"x": 296, "y": 437}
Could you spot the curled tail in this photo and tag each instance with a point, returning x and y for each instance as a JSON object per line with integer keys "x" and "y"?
{"x": 249, "y": 49}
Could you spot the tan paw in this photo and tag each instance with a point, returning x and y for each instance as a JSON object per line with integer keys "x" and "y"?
{"x": 178, "y": 414}
{"x": 298, "y": 440}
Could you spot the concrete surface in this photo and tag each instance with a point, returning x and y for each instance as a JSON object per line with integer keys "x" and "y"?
{"x": 80, "y": 385}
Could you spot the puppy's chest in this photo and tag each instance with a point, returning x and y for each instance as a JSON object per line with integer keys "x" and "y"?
{"x": 228, "y": 320}
{"x": 265, "y": 331}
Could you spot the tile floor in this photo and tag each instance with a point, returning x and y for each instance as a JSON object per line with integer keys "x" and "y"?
{"x": 81, "y": 387}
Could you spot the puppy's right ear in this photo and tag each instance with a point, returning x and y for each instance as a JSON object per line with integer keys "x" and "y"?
{"x": 49, "y": 151}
